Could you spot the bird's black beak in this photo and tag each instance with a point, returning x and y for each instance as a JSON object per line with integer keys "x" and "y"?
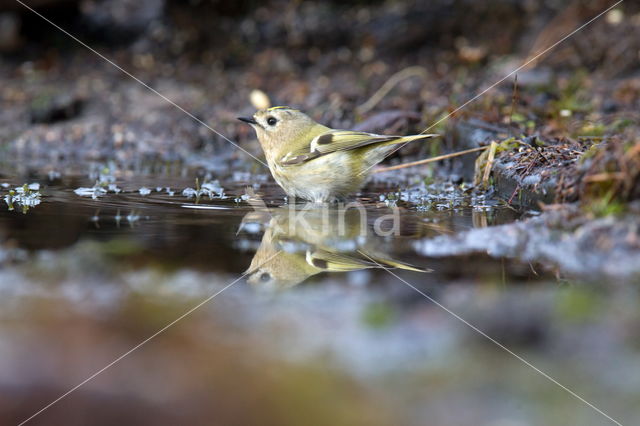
{"x": 248, "y": 120}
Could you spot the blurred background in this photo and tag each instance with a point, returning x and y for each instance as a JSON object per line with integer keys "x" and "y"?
{"x": 327, "y": 58}
{"x": 88, "y": 270}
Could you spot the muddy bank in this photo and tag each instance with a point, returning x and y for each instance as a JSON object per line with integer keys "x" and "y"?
{"x": 601, "y": 174}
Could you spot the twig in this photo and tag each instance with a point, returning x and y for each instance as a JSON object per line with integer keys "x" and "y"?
{"x": 489, "y": 165}
{"x": 415, "y": 71}
{"x": 515, "y": 191}
{"x": 430, "y": 160}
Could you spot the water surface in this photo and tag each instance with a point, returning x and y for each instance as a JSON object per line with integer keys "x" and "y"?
{"x": 329, "y": 332}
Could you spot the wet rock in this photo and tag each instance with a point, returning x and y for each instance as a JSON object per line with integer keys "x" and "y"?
{"x": 606, "y": 247}
{"x": 528, "y": 190}
{"x": 602, "y": 176}
{"x": 530, "y": 171}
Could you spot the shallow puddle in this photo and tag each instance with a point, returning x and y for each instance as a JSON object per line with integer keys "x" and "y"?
{"x": 162, "y": 222}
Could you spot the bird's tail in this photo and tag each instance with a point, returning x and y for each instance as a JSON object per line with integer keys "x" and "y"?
{"x": 400, "y": 265}
{"x": 385, "y": 149}
{"x": 407, "y": 139}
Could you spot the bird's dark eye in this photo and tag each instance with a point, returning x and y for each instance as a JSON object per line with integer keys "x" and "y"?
{"x": 265, "y": 276}
{"x": 271, "y": 121}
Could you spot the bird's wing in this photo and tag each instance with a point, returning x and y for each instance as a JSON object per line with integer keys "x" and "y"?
{"x": 339, "y": 262}
{"x": 336, "y": 262}
{"x": 335, "y": 140}
{"x": 386, "y": 261}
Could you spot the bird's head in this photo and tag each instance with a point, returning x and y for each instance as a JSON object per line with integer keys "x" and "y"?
{"x": 279, "y": 127}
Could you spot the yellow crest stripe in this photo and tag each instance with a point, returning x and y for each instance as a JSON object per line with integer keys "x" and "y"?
{"x": 278, "y": 107}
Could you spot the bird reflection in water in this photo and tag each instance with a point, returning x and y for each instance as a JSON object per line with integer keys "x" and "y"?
{"x": 300, "y": 241}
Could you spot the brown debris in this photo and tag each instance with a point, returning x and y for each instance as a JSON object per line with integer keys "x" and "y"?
{"x": 609, "y": 171}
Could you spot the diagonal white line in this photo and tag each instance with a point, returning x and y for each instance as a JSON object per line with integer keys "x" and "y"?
{"x": 127, "y": 73}
{"x": 554, "y": 45}
{"x": 142, "y": 343}
{"x": 494, "y": 341}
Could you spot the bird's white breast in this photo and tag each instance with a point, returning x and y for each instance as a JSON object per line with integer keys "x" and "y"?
{"x": 326, "y": 178}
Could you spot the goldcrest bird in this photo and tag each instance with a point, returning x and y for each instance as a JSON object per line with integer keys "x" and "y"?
{"x": 316, "y": 163}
